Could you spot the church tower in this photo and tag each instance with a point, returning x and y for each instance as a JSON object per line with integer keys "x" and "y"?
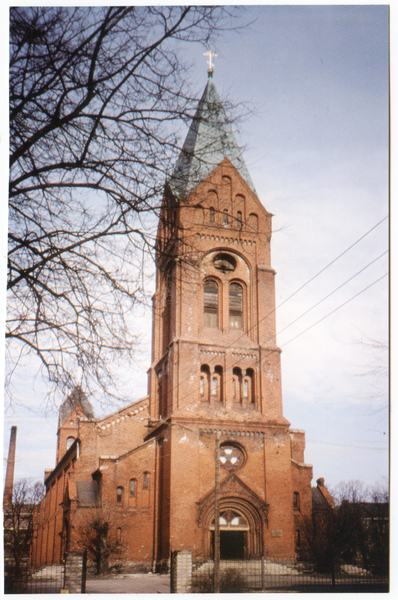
{"x": 216, "y": 369}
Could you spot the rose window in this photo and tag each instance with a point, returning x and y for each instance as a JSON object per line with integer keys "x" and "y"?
{"x": 224, "y": 262}
{"x": 231, "y": 457}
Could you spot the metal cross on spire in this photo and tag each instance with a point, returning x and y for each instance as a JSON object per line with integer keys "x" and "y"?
{"x": 211, "y": 55}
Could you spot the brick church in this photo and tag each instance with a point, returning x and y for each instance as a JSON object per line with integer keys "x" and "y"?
{"x": 214, "y": 380}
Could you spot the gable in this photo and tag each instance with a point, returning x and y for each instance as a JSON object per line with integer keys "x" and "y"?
{"x": 232, "y": 487}
{"x": 225, "y": 200}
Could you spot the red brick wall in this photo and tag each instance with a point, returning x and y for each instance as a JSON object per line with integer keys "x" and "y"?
{"x": 176, "y": 511}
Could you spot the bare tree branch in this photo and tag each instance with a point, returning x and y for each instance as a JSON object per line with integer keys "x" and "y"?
{"x": 96, "y": 100}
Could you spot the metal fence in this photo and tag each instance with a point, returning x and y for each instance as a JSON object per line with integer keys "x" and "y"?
{"x": 284, "y": 575}
{"x": 47, "y": 580}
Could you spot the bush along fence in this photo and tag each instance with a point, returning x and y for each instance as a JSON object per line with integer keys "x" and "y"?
{"x": 68, "y": 577}
{"x": 279, "y": 575}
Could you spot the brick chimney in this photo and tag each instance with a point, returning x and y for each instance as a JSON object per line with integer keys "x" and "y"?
{"x": 324, "y": 491}
{"x": 8, "y": 488}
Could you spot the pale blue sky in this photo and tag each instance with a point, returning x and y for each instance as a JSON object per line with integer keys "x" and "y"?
{"x": 317, "y": 148}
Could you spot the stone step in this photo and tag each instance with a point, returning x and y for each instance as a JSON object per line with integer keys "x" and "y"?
{"x": 252, "y": 567}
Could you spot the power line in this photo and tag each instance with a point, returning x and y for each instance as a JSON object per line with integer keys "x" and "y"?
{"x": 306, "y": 283}
{"x": 333, "y": 291}
{"x": 296, "y": 292}
{"x": 333, "y": 261}
{"x": 308, "y": 310}
{"x": 335, "y": 309}
{"x": 324, "y": 317}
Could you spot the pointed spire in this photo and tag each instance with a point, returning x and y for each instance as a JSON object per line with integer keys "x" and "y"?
{"x": 210, "y": 139}
{"x": 76, "y": 399}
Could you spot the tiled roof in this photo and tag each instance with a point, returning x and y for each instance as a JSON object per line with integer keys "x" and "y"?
{"x": 319, "y": 502}
{"x": 210, "y": 139}
{"x": 75, "y": 399}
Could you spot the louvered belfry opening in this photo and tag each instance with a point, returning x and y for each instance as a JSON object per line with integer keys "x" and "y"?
{"x": 235, "y": 306}
{"x": 210, "y": 303}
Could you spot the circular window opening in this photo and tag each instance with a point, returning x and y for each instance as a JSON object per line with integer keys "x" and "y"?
{"x": 224, "y": 262}
{"x": 231, "y": 456}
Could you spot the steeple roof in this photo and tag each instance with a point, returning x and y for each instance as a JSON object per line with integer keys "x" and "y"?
{"x": 210, "y": 139}
{"x": 75, "y": 400}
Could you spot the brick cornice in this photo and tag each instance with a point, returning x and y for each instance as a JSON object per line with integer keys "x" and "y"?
{"x": 115, "y": 418}
{"x": 301, "y": 465}
{"x": 213, "y": 236}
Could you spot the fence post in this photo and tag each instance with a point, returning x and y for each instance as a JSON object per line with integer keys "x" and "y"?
{"x": 84, "y": 572}
{"x": 262, "y": 573}
{"x": 216, "y": 574}
{"x": 181, "y": 572}
{"x": 74, "y": 572}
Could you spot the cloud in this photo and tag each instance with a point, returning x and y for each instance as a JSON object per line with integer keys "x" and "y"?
{"x": 317, "y": 77}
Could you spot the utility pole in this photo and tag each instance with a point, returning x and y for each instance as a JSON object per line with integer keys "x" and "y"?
{"x": 216, "y": 583}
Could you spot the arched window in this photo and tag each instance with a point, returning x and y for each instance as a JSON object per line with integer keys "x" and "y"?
{"x": 231, "y": 519}
{"x": 216, "y": 384}
{"x": 145, "y": 483}
{"x": 204, "y": 382}
{"x": 237, "y": 384}
{"x": 296, "y": 500}
{"x": 253, "y": 222}
{"x": 164, "y": 407}
{"x": 69, "y": 442}
{"x": 240, "y": 202}
{"x": 239, "y": 219}
{"x": 211, "y": 214}
{"x": 167, "y": 285}
{"x": 248, "y": 386}
{"x": 235, "y": 306}
{"x": 227, "y": 188}
{"x": 119, "y": 495}
{"x": 160, "y": 390}
{"x": 133, "y": 487}
{"x": 226, "y": 218}
{"x": 210, "y": 303}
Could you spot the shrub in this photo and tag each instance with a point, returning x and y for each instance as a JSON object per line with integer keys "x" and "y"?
{"x": 231, "y": 580}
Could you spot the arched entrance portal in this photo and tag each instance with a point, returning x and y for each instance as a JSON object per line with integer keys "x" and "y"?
{"x": 234, "y": 530}
{"x": 243, "y": 516}
{"x": 240, "y": 530}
